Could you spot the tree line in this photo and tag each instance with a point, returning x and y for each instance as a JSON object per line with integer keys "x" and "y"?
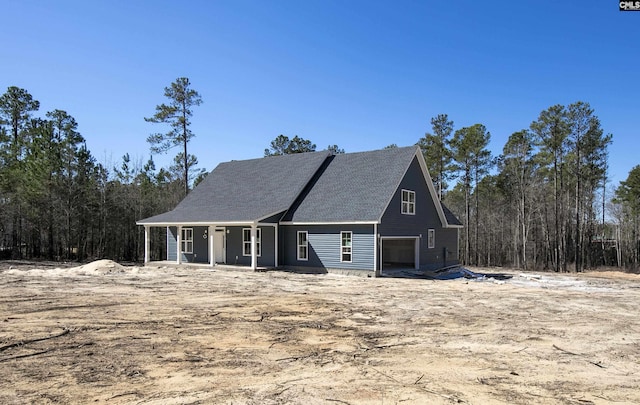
{"x": 58, "y": 202}
{"x": 544, "y": 203}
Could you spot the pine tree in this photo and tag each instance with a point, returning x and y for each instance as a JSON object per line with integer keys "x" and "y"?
{"x": 16, "y": 106}
{"x": 177, "y": 114}
{"x": 473, "y": 160}
{"x": 437, "y": 153}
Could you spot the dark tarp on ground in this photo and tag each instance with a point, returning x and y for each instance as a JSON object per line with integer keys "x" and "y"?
{"x": 446, "y": 274}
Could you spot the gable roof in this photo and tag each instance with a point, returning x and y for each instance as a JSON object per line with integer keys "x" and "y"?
{"x": 245, "y": 190}
{"x": 354, "y": 187}
{"x": 315, "y": 187}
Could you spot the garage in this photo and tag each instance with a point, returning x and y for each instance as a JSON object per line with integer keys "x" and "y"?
{"x": 400, "y": 253}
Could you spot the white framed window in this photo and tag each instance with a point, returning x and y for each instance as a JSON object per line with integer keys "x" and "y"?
{"x": 431, "y": 238}
{"x": 303, "y": 245}
{"x": 246, "y": 242}
{"x": 186, "y": 240}
{"x": 408, "y": 202}
{"x": 345, "y": 246}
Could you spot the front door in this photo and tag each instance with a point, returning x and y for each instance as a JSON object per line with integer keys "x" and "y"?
{"x": 218, "y": 245}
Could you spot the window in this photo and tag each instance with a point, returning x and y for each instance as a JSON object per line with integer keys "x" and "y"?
{"x": 303, "y": 245}
{"x": 246, "y": 242}
{"x": 408, "y": 202}
{"x": 186, "y": 240}
{"x": 345, "y": 246}
{"x": 431, "y": 238}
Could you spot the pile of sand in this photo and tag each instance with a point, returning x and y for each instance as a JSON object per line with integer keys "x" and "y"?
{"x": 98, "y": 267}
{"x": 103, "y": 266}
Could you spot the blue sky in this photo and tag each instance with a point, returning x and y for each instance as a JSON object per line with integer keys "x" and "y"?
{"x": 360, "y": 74}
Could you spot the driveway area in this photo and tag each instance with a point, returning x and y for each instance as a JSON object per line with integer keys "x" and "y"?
{"x": 106, "y": 333}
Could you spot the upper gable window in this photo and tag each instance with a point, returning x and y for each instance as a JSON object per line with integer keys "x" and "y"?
{"x": 408, "y": 202}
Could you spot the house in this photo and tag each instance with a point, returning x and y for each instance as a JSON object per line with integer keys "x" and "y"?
{"x": 364, "y": 212}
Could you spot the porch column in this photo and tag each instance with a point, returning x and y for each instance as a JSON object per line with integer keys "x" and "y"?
{"x": 146, "y": 244}
{"x": 375, "y": 250}
{"x": 179, "y": 245}
{"x": 254, "y": 248}
{"x": 212, "y": 252}
{"x": 275, "y": 232}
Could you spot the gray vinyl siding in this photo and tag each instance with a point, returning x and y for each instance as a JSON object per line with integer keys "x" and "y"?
{"x": 325, "y": 246}
{"x": 394, "y": 223}
{"x": 200, "y": 245}
{"x": 172, "y": 240}
{"x": 234, "y": 247}
{"x": 446, "y": 239}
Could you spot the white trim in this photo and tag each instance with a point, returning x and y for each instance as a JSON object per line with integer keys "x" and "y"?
{"x": 416, "y": 247}
{"x": 350, "y": 247}
{"x": 305, "y": 245}
{"x": 254, "y": 246}
{"x": 410, "y": 204}
{"x": 277, "y": 246}
{"x": 258, "y": 239}
{"x": 223, "y": 230}
{"x": 167, "y": 238}
{"x": 178, "y": 245}
{"x": 186, "y": 240}
{"x": 270, "y": 215}
{"x": 211, "y": 231}
{"x": 401, "y": 237}
{"x": 197, "y": 223}
{"x": 432, "y": 190}
{"x": 146, "y": 244}
{"x": 375, "y": 250}
{"x": 332, "y": 223}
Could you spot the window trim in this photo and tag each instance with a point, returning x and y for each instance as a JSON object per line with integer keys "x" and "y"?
{"x": 408, "y": 203}
{"x": 186, "y": 242}
{"x": 258, "y": 242}
{"x": 305, "y": 246}
{"x": 431, "y": 238}
{"x": 343, "y": 247}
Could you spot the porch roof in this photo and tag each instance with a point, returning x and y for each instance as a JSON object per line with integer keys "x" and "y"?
{"x": 245, "y": 191}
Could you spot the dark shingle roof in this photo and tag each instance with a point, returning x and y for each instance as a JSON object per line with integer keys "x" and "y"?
{"x": 315, "y": 187}
{"x": 354, "y": 187}
{"x": 451, "y": 217}
{"x": 246, "y": 190}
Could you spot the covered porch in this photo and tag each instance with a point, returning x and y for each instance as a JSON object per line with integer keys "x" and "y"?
{"x": 250, "y": 245}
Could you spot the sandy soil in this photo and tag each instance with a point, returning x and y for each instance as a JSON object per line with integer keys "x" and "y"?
{"x": 105, "y": 333}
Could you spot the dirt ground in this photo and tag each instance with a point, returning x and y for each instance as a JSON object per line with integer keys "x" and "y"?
{"x": 104, "y": 333}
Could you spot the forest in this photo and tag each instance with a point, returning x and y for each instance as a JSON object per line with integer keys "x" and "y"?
{"x": 544, "y": 203}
